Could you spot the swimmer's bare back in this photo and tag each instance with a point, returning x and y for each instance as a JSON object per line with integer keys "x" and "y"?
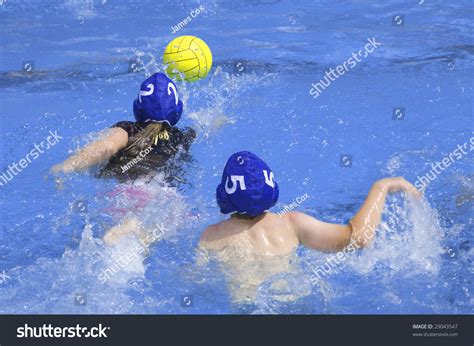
{"x": 268, "y": 234}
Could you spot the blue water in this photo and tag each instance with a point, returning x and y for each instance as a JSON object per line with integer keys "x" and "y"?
{"x": 266, "y": 56}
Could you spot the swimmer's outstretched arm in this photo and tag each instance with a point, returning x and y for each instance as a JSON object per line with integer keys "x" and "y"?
{"x": 361, "y": 228}
{"x": 95, "y": 152}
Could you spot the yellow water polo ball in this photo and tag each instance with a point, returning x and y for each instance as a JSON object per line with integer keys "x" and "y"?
{"x": 189, "y": 57}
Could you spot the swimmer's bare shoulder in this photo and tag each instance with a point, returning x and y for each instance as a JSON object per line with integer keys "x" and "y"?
{"x": 212, "y": 236}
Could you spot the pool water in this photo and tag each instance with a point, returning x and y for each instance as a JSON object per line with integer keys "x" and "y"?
{"x": 70, "y": 67}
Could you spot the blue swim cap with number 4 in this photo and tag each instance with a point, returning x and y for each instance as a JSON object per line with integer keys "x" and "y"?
{"x": 158, "y": 100}
{"x": 247, "y": 185}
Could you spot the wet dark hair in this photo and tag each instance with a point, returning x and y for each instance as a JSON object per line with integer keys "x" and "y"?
{"x": 147, "y": 137}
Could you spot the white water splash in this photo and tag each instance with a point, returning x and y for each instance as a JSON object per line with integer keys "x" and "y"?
{"x": 50, "y": 285}
{"x": 408, "y": 241}
{"x": 218, "y": 93}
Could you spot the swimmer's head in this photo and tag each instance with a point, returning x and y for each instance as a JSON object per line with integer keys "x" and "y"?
{"x": 158, "y": 101}
{"x": 247, "y": 185}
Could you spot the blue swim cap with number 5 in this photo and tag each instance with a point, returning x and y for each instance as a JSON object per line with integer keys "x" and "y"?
{"x": 247, "y": 185}
{"x": 158, "y": 100}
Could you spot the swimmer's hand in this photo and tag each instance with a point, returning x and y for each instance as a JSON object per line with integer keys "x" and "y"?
{"x": 61, "y": 168}
{"x": 127, "y": 227}
{"x": 56, "y": 168}
{"x": 396, "y": 184}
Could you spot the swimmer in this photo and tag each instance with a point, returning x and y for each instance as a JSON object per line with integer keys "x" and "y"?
{"x": 140, "y": 148}
{"x": 248, "y": 190}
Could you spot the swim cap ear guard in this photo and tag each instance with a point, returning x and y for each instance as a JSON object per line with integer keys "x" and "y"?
{"x": 158, "y": 100}
{"x": 247, "y": 185}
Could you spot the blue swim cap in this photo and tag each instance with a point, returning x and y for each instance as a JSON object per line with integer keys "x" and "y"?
{"x": 247, "y": 185}
{"x": 158, "y": 100}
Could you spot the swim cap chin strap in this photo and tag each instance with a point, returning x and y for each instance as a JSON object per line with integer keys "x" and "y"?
{"x": 158, "y": 100}
{"x": 247, "y": 185}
